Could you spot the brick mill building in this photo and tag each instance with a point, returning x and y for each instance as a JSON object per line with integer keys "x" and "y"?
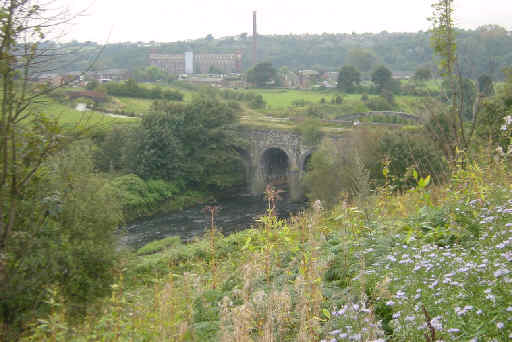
{"x": 190, "y": 63}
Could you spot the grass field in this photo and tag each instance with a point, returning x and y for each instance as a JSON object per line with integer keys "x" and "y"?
{"x": 284, "y": 98}
{"x": 67, "y": 115}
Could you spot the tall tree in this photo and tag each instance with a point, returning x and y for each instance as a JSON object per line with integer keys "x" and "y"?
{"x": 444, "y": 45}
{"x": 191, "y": 144}
{"x": 46, "y": 237}
{"x": 382, "y": 77}
{"x": 485, "y": 85}
{"x": 348, "y": 78}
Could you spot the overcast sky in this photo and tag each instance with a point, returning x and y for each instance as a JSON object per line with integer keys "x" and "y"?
{"x": 172, "y": 20}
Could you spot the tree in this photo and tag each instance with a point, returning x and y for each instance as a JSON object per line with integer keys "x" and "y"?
{"x": 381, "y": 77}
{"x": 43, "y": 241}
{"x": 189, "y": 144}
{"x": 443, "y": 43}
{"x": 348, "y": 78}
{"x": 262, "y": 75}
{"x": 485, "y": 85}
{"x": 423, "y": 74}
{"x": 362, "y": 59}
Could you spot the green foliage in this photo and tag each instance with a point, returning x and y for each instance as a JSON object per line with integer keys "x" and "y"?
{"x": 262, "y": 75}
{"x": 67, "y": 223}
{"x": 191, "y": 144}
{"x": 130, "y": 88}
{"x": 465, "y": 90}
{"x": 485, "y": 85}
{"x": 310, "y": 130}
{"x": 443, "y": 35}
{"x": 92, "y": 84}
{"x": 362, "y": 59}
{"x": 379, "y": 103}
{"x": 149, "y": 74}
{"x": 159, "y": 245}
{"x": 381, "y": 76}
{"x": 257, "y": 102}
{"x": 404, "y": 150}
{"x": 422, "y": 74}
{"x": 141, "y": 198}
{"x": 348, "y": 78}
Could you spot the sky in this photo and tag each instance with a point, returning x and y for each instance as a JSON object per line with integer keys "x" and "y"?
{"x": 112, "y": 21}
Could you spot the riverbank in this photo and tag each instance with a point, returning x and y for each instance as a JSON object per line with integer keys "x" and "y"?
{"x": 431, "y": 262}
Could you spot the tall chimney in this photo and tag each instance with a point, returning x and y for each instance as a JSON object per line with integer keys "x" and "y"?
{"x": 254, "y": 35}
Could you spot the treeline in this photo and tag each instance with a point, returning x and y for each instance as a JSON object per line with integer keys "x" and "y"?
{"x": 396, "y": 159}
{"x": 484, "y": 50}
{"x": 130, "y": 88}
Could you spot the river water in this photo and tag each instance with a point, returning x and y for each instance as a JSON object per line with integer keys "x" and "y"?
{"x": 235, "y": 214}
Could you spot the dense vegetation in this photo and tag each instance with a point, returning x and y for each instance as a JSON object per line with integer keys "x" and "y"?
{"x": 485, "y": 50}
{"x": 409, "y": 235}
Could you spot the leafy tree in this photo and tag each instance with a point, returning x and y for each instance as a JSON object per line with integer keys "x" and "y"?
{"x": 56, "y": 218}
{"x": 190, "y": 144}
{"x": 362, "y": 59}
{"x": 262, "y": 74}
{"x": 423, "y": 74}
{"x": 64, "y": 238}
{"x": 92, "y": 84}
{"x": 348, "y": 78}
{"x": 381, "y": 77}
{"x": 311, "y": 132}
{"x": 485, "y": 85}
{"x": 257, "y": 102}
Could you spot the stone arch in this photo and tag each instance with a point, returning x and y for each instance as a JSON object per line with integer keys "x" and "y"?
{"x": 275, "y": 166}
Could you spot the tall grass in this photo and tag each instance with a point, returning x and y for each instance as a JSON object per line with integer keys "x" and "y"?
{"x": 430, "y": 264}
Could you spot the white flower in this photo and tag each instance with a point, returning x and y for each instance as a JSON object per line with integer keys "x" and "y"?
{"x": 500, "y": 325}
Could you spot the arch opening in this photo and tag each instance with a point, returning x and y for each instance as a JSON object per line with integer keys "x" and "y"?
{"x": 276, "y": 165}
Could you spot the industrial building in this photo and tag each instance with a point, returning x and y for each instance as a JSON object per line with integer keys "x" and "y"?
{"x": 190, "y": 63}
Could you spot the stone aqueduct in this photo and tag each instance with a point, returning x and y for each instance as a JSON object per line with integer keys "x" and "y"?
{"x": 276, "y": 157}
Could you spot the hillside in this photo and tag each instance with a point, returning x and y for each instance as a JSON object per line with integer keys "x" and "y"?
{"x": 484, "y": 50}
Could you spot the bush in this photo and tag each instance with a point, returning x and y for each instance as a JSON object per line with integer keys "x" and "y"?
{"x": 159, "y": 245}
{"x": 130, "y": 88}
{"x": 142, "y": 198}
{"x": 378, "y": 104}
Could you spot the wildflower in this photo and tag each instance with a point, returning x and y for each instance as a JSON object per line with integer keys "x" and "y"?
{"x": 390, "y": 303}
{"x": 500, "y": 325}
{"x": 396, "y": 315}
{"x": 500, "y": 272}
{"x": 453, "y": 330}
{"x": 436, "y": 323}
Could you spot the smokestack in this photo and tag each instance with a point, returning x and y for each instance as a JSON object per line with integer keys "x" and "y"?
{"x": 254, "y": 35}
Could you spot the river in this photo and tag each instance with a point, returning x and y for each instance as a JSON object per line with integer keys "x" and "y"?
{"x": 235, "y": 214}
